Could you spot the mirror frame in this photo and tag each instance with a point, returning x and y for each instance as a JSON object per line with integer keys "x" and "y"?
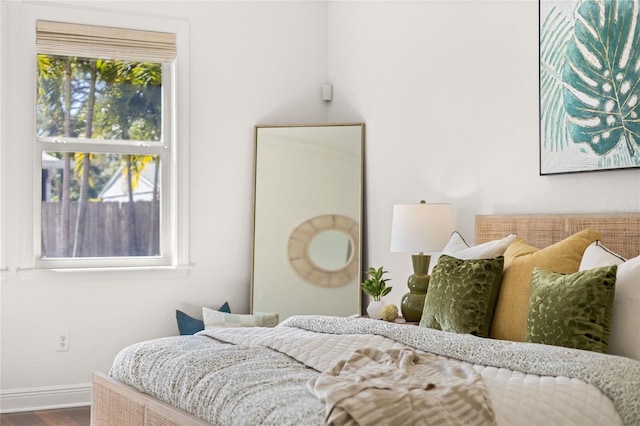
{"x": 299, "y": 250}
{"x": 296, "y": 253}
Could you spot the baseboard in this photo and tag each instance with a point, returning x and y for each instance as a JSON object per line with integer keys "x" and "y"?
{"x": 45, "y": 398}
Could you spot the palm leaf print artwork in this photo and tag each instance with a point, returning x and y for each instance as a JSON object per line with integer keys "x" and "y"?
{"x": 589, "y": 85}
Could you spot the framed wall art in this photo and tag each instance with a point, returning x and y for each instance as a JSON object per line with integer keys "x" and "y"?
{"x": 589, "y": 85}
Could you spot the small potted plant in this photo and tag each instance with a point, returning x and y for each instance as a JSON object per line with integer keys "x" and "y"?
{"x": 376, "y": 287}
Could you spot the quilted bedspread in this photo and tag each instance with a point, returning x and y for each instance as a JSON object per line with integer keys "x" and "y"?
{"x": 242, "y": 376}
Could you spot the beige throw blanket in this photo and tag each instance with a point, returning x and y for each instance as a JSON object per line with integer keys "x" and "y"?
{"x": 402, "y": 387}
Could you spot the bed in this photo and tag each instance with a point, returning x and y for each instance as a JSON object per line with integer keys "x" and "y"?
{"x": 317, "y": 370}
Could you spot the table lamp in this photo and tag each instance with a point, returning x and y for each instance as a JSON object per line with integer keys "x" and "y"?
{"x": 419, "y": 228}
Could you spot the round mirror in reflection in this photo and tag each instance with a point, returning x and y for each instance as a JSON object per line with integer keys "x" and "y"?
{"x": 331, "y": 250}
{"x": 322, "y": 250}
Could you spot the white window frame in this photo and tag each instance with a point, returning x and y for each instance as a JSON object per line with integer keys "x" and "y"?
{"x": 174, "y": 228}
{"x": 3, "y": 22}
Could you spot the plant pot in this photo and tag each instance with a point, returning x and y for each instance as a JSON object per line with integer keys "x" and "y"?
{"x": 374, "y": 308}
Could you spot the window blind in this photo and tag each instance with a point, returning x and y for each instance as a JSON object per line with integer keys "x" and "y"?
{"x": 90, "y": 41}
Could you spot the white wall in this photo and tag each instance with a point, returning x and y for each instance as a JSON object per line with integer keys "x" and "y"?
{"x": 251, "y": 62}
{"x": 449, "y": 93}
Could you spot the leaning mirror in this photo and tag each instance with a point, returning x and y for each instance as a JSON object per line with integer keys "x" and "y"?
{"x": 307, "y": 219}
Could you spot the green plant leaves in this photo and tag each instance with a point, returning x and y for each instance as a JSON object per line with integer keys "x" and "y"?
{"x": 601, "y": 76}
{"x": 376, "y": 286}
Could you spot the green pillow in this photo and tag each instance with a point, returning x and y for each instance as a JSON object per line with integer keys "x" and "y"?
{"x": 572, "y": 310}
{"x": 462, "y": 295}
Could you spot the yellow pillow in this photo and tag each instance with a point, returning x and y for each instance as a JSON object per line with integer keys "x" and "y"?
{"x": 510, "y": 315}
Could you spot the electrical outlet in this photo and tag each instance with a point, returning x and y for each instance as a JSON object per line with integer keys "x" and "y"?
{"x": 63, "y": 342}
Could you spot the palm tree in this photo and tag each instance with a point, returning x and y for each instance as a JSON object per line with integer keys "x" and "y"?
{"x": 136, "y": 97}
{"x": 52, "y": 88}
{"x": 83, "y": 161}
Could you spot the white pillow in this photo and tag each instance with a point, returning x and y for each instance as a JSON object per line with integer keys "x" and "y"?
{"x": 597, "y": 255}
{"x": 625, "y": 338}
{"x": 457, "y": 247}
{"x": 217, "y": 319}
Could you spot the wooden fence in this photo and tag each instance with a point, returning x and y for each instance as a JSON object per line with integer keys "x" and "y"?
{"x": 107, "y": 232}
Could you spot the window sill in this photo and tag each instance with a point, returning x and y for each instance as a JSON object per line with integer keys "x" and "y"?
{"x": 151, "y": 272}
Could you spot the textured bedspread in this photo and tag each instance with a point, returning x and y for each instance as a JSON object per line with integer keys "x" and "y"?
{"x": 224, "y": 385}
{"x": 236, "y": 385}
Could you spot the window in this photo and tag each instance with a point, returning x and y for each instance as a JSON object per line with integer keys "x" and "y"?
{"x": 104, "y": 147}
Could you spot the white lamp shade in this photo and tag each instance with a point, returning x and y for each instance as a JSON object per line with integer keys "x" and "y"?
{"x": 418, "y": 228}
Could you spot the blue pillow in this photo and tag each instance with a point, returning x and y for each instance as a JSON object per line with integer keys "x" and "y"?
{"x": 189, "y": 325}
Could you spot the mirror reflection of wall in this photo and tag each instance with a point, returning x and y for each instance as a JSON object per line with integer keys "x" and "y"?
{"x": 307, "y": 213}
{"x": 331, "y": 250}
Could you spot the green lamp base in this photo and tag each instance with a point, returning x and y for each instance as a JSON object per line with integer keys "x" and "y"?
{"x": 412, "y": 303}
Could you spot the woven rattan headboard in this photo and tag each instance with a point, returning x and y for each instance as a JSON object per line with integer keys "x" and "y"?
{"x": 620, "y": 232}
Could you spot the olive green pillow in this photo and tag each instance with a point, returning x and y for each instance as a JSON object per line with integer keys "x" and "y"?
{"x": 572, "y": 310}
{"x": 462, "y": 295}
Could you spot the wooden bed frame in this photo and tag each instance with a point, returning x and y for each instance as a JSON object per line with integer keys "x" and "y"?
{"x": 117, "y": 404}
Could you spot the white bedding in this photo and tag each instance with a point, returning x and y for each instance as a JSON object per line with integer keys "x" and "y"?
{"x": 517, "y": 398}
{"x": 529, "y": 399}
{"x": 528, "y": 384}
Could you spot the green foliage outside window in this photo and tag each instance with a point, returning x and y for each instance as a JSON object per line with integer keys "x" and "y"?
{"x": 94, "y": 102}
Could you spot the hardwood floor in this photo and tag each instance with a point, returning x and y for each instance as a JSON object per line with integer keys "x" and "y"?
{"x": 80, "y": 416}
